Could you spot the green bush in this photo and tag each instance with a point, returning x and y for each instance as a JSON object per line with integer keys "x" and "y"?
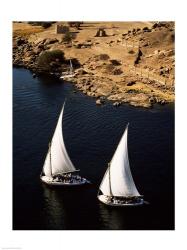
{"x": 48, "y": 58}
{"x": 68, "y": 37}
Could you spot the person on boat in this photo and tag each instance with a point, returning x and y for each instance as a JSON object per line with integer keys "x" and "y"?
{"x": 79, "y": 178}
{"x": 109, "y": 198}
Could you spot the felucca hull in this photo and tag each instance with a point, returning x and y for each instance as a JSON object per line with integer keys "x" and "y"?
{"x": 66, "y": 77}
{"x": 49, "y": 181}
{"x": 105, "y": 200}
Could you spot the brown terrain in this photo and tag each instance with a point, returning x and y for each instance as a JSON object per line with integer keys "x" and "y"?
{"x": 131, "y": 62}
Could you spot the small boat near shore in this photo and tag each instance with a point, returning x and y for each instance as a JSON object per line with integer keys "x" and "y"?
{"x": 68, "y": 74}
{"x": 58, "y": 169}
{"x": 117, "y": 187}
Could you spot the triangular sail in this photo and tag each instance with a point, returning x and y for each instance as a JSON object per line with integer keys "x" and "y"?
{"x": 57, "y": 160}
{"x": 118, "y": 180}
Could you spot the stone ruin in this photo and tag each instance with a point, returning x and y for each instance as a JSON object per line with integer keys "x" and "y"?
{"x": 61, "y": 29}
{"x": 101, "y": 33}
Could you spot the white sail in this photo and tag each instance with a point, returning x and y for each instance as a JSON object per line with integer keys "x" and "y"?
{"x": 118, "y": 180}
{"x": 60, "y": 161}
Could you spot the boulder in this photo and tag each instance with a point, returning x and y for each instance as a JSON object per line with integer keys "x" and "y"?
{"x": 152, "y": 99}
{"x": 116, "y": 104}
{"x": 79, "y": 45}
{"x": 156, "y": 52}
{"x": 161, "y": 55}
{"x": 40, "y": 46}
{"x": 130, "y": 83}
{"x": 37, "y": 50}
{"x": 155, "y": 25}
{"x": 146, "y": 29}
{"x": 133, "y": 30}
{"x": 145, "y": 44}
{"x": 50, "y": 41}
{"x": 28, "y": 54}
{"x": 98, "y": 102}
{"x": 161, "y": 72}
{"x": 162, "y": 102}
{"x": 20, "y": 41}
{"x": 103, "y": 57}
{"x": 117, "y": 72}
{"x": 103, "y": 98}
{"x": 115, "y": 62}
{"x": 82, "y": 72}
{"x": 169, "y": 52}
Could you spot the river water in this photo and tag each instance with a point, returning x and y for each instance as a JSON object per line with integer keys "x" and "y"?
{"x": 91, "y": 134}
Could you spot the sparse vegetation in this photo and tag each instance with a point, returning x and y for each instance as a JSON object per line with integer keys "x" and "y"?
{"x": 49, "y": 59}
{"x": 75, "y": 24}
{"x": 104, "y": 57}
{"x": 117, "y": 72}
{"x": 68, "y": 37}
{"x": 115, "y": 62}
{"x": 45, "y": 25}
{"x": 109, "y": 68}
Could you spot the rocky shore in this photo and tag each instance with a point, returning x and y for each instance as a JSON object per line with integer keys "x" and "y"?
{"x": 134, "y": 66}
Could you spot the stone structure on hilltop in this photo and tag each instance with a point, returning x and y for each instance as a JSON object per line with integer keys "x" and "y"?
{"x": 101, "y": 32}
{"x": 61, "y": 29}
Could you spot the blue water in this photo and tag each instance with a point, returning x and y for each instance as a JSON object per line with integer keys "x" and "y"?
{"x": 91, "y": 134}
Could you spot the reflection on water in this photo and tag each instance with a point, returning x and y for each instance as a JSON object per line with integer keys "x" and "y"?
{"x": 54, "y": 207}
{"x": 111, "y": 217}
{"x": 119, "y": 218}
{"x": 69, "y": 208}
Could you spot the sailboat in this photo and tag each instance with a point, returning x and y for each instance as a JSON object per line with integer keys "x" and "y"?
{"x": 68, "y": 74}
{"x": 58, "y": 169}
{"x": 117, "y": 187}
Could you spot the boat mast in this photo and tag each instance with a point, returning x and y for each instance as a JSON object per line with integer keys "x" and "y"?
{"x": 50, "y": 157}
{"x": 110, "y": 188}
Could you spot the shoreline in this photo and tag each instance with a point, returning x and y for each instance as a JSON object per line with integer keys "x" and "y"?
{"x": 106, "y": 101}
{"x": 102, "y": 70}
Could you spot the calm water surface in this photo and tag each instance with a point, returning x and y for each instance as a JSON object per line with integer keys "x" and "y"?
{"x": 91, "y": 134}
